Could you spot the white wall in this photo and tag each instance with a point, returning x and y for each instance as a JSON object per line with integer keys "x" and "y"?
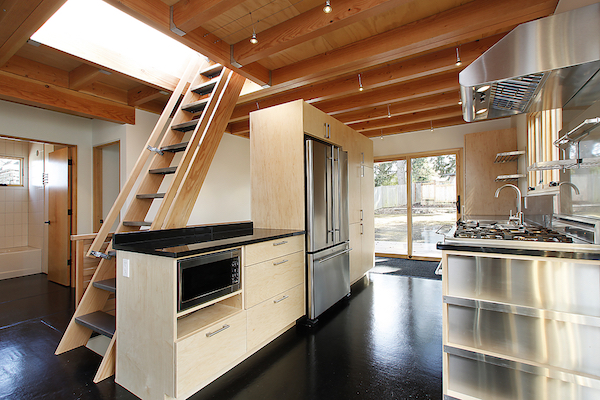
{"x": 37, "y": 124}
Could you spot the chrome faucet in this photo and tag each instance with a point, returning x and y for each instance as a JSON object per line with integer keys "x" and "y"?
{"x": 518, "y": 217}
{"x": 569, "y": 184}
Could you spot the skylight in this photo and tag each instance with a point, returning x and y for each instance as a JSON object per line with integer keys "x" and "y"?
{"x": 96, "y": 31}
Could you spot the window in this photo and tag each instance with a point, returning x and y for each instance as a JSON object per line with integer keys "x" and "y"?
{"x": 542, "y": 130}
{"x": 11, "y": 171}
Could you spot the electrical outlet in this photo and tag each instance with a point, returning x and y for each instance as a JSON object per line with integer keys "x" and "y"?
{"x": 126, "y": 268}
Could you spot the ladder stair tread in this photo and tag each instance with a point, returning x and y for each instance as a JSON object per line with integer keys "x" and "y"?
{"x": 205, "y": 87}
{"x": 137, "y": 223}
{"x": 110, "y": 285}
{"x": 99, "y": 322}
{"x": 163, "y": 171}
{"x": 196, "y": 106}
{"x": 150, "y": 196}
{"x": 185, "y": 126}
{"x": 212, "y": 71}
{"x": 174, "y": 148}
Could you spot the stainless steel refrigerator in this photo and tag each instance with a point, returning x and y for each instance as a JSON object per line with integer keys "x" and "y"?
{"x": 327, "y": 230}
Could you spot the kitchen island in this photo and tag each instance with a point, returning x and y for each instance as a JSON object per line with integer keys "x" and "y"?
{"x": 163, "y": 351}
{"x": 521, "y": 320}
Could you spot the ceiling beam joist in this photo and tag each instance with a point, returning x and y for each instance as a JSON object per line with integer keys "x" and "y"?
{"x": 83, "y": 75}
{"x": 19, "y": 20}
{"x": 412, "y": 118}
{"x": 157, "y": 14}
{"x": 51, "y": 97}
{"x": 414, "y": 68}
{"x": 309, "y": 25}
{"x": 38, "y": 71}
{"x": 190, "y": 14}
{"x": 399, "y": 92}
{"x": 474, "y": 20}
{"x": 400, "y": 108}
{"x": 419, "y": 126}
{"x": 142, "y": 94}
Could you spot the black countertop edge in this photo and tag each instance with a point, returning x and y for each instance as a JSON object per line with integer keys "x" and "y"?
{"x": 574, "y": 255}
{"x": 168, "y": 249}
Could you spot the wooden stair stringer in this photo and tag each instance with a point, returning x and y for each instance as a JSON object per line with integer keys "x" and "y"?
{"x": 107, "y": 366}
{"x": 188, "y": 155}
{"x": 181, "y": 208}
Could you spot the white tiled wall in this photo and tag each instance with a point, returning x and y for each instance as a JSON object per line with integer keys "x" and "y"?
{"x": 14, "y": 200}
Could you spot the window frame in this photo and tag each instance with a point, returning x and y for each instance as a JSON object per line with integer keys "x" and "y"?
{"x": 21, "y": 171}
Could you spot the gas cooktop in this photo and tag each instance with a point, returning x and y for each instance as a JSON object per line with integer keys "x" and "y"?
{"x": 497, "y": 231}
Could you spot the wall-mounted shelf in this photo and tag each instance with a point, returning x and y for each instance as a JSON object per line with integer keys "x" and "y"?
{"x": 565, "y": 164}
{"x": 577, "y": 133}
{"x": 509, "y": 156}
{"x": 509, "y": 178}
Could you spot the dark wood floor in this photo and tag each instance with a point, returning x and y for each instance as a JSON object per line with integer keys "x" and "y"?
{"x": 382, "y": 343}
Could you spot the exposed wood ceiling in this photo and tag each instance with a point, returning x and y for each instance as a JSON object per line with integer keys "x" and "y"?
{"x": 404, "y": 51}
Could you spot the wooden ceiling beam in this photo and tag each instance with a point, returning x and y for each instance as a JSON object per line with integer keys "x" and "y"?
{"x": 143, "y": 94}
{"x": 27, "y": 91}
{"x": 190, "y": 14}
{"x": 418, "y": 67}
{"x": 157, "y": 14}
{"x": 83, "y": 75}
{"x": 466, "y": 23}
{"x": 105, "y": 91}
{"x": 38, "y": 71}
{"x": 441, "y": 100}
{"x": 19, "y": 20}
{"x": 419, "y": 126}
{"x": 436, "y": 84}
{"x": 239, "y": 128}
{"x": 309, "y": 25}
{"x": 406, "y": 119}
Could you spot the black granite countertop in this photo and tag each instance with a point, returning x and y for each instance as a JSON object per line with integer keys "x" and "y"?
{"x": 189, "y": 241}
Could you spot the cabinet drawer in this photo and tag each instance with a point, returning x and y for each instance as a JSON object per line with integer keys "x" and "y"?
{"x": 274, "y": 314}
{"x": 199, "y": 357}
{"x": 269, "y": 278}
{"x": 260, "y": 252}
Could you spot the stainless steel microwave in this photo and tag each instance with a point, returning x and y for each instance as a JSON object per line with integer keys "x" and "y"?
{"x": 207, "y": 277}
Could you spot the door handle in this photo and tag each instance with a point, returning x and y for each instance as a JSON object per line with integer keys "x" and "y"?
{"x": 47, "y": 222}
{"x": 280, "y": 262}
{"x": 281, "y": 299}
{"x": 335, "y": 255}
{"x": 210, "y": 334}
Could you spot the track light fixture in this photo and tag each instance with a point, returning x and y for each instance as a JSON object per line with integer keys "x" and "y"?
{"x": 253, "y": 38}
{"x": 360, "y": 86}
{"x": 327, "y": 9}
{"x": 458, "y": 62}
{"x": 389, "y": 114}
{"x": 431, "y": 126}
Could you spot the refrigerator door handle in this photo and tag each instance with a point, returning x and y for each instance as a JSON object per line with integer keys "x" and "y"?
{"x": 335, "y": 255}
{"x": 331, "y": 198}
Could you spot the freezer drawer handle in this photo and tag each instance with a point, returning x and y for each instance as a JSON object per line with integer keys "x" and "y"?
{"x": 335, "y": 255}
{"x": 211, "y": 334}
{"x": 281, "y": 299}
{"x": 280, "y": 262}
{"x": 280, "y": 243}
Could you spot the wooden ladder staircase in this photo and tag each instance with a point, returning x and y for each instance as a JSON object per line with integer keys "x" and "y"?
{"x": 201, "y": 117}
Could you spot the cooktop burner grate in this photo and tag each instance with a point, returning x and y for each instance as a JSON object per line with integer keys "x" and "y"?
{"x": 475, "y": 230}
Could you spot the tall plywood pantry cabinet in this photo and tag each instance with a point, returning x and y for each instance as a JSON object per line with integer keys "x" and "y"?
{"x": 277, "y": 171}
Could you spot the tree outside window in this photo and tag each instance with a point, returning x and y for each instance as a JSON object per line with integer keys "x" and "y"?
{"x": 10, "y": 171}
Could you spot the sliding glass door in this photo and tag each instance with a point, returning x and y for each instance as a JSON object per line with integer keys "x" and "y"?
{"x": 409, "y": 228}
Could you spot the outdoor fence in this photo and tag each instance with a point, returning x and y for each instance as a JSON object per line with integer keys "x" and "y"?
{"x": 423, "y": 193}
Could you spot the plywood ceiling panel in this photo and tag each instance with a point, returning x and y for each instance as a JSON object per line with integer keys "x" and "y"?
{"x": 49, "y": 56}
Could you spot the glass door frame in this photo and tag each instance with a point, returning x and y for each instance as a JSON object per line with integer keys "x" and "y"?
{"x": 408, "y": 157}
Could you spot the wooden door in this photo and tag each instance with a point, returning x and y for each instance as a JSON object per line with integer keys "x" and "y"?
{"x": 59, "y": 230}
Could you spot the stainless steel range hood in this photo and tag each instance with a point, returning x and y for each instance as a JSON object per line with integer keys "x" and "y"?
{"x": 539, "y": 65}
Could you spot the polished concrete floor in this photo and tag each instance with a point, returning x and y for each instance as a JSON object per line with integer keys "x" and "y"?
{"x": 382, "y": 343}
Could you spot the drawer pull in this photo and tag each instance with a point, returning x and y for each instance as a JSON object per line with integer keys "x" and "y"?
{"x": 280, "y": 243}
{"x": 280, "y": 262}
{"x": 281, "y": 299}
{"x": 210, "y": 334}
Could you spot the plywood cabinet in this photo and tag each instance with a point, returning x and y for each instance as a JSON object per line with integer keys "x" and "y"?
{"x": 277, "y": 168}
